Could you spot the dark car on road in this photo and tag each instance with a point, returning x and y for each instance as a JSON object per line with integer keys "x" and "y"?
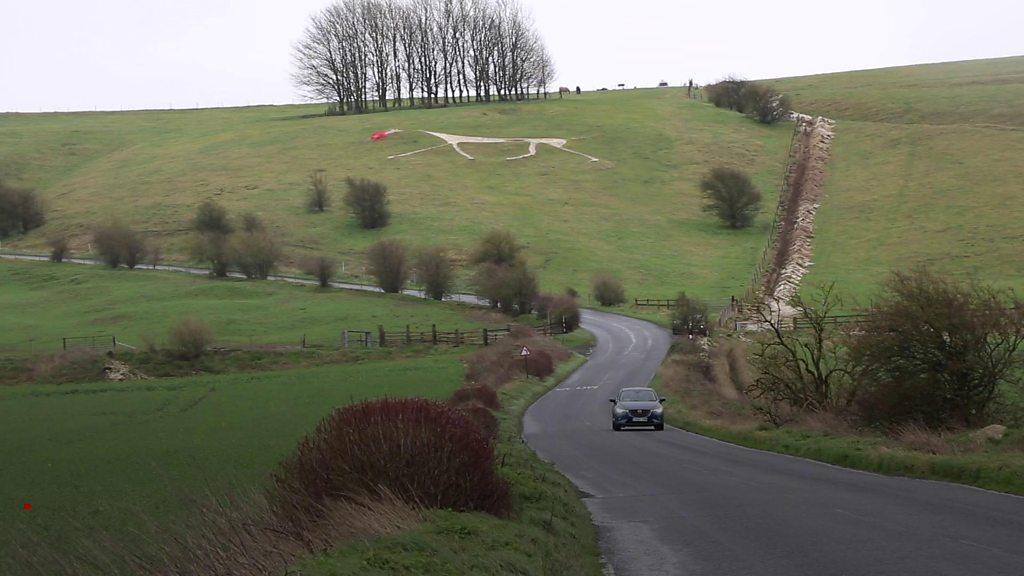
{"x": 637, "y": 407}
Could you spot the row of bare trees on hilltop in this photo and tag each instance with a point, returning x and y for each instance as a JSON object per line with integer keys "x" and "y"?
{"x": 363, "y": 54}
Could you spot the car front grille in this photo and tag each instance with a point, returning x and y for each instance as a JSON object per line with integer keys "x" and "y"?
{"x": 639, "y": 413}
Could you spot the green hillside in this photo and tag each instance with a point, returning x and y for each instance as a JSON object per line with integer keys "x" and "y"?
{"x": 926, "y": 169}
{"x": 635, "y": 213}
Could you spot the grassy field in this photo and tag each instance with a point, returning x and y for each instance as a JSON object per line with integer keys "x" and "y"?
{"x": 550, "y": 531}
{"x": 104, "y": 457}
{"x": 43, "y": 302}
{"x": 635, "y": 213}
{"x": 926, "y": 169}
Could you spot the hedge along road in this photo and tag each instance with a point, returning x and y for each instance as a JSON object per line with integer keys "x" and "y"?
{"x": 677, "y": 503}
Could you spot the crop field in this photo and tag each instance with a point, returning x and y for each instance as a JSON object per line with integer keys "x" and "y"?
{"x": 43, "y": 302}
{"x": 635, "y": 213}
{"x": 106, "y": 458}
{"x": 926, "y": 170}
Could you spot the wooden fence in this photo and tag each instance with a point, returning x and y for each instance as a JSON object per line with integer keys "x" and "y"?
{"x": 407, "y": 336}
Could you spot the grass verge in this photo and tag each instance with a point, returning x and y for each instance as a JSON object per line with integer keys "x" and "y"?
{"x": 701, "y": 408}
{"x": 550, "y": 531}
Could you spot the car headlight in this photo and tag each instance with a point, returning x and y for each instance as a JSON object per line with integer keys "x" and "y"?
{"x": 657, "y": 409}
{"x": 619, "y": 409}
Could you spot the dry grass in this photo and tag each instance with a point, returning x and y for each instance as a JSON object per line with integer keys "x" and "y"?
{"x": 238, "y": 536}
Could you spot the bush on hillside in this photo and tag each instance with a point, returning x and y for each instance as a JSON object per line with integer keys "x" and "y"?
{"x": 480, "y": 393}
{"x": 423, "y": 452}
{"x": 21, "y": 210}
{"x": 387, "y": 264}
{"x": 608, "y": 290}
{"x": 189, "y": 339}
{"x": 368, "y": 201}
{"x": 435, "y": 272}
{"x": 731, "y": 196}
{"x": 728, "y": 93}
{"x": 937, "y": 351}
{"x": 319, "y": 197}
{"x": 213, "y": 248}
{"x": 118, "y": 244}
{"x": 512, "y": 289}
{"x": 558, "y": 309}
{"x": 251, "y": 222}
{"x": 60, "y": 248}
{"x": 498, "y": 247}
{"x": 323, "y": 268}
{"x": 766, "y": 105}
{"x": 212, "y": 218}
{"x": 255, "y": 254}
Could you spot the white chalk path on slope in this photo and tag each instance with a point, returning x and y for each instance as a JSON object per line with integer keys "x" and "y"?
{"x": 454, "y": 140}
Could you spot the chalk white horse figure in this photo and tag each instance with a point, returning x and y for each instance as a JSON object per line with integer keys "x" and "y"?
{"x": 455, "y": 140}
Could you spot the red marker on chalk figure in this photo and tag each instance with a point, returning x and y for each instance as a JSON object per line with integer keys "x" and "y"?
{"x": 26, "y": 506}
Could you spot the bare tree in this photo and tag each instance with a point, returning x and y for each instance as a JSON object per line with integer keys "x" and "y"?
{"x": 363, "y": 54}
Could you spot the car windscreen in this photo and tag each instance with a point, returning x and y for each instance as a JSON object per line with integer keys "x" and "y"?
{"x": 638, "y": 396}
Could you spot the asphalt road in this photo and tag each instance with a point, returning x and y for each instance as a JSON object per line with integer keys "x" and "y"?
{"x": 672, "y": 502}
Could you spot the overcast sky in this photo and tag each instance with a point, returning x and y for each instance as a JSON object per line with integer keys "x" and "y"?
{"x": 122, "y": 54}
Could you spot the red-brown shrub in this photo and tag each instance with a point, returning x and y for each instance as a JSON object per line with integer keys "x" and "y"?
{"x": 483, "y": 417}
{"x": 481, "y": 393}
{"x": 423, "y": 452}
{"x": 501, "y": 362}
{"x": 540, "y": 364}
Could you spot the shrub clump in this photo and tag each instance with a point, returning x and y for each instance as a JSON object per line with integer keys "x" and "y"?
{"x": 690, "y": 314}
{"x": 730, "y": 195}
{"x": 559, "y": 309}
{"x": 498, "y": 247}
{"x": 608, "y": 290}
{"x": 936, "y": 351}
{"x": 21, "y": 210}
{"x": 118, "y": 244}
{"x": 480, "y": 393}
{"x": 319, "y": 194}
{"x": 435, "y": 271}
{"x": 254, "y": 253}
{"x": 60, "y": 248}
{"x": 212, "y": 218}
{"x": 189, "y": 339}
{"x": 323, "y": 268}
{"x": 422, "y": 452}
{"x": 388, "y": 264}
{"x": 766, "y": 105}
{"x": 368, "y": 201}
{"x": 482, "y": 417}
{"x": 500, "y": 363}
{"x": 512, "y": 288}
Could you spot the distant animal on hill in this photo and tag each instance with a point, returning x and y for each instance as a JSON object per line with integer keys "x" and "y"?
{"x": 562, "y": 91}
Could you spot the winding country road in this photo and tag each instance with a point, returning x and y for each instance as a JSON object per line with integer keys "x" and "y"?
{"x": 676, "y": 503}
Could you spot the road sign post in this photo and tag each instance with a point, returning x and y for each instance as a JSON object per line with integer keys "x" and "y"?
{"x": 525, "y": 354}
